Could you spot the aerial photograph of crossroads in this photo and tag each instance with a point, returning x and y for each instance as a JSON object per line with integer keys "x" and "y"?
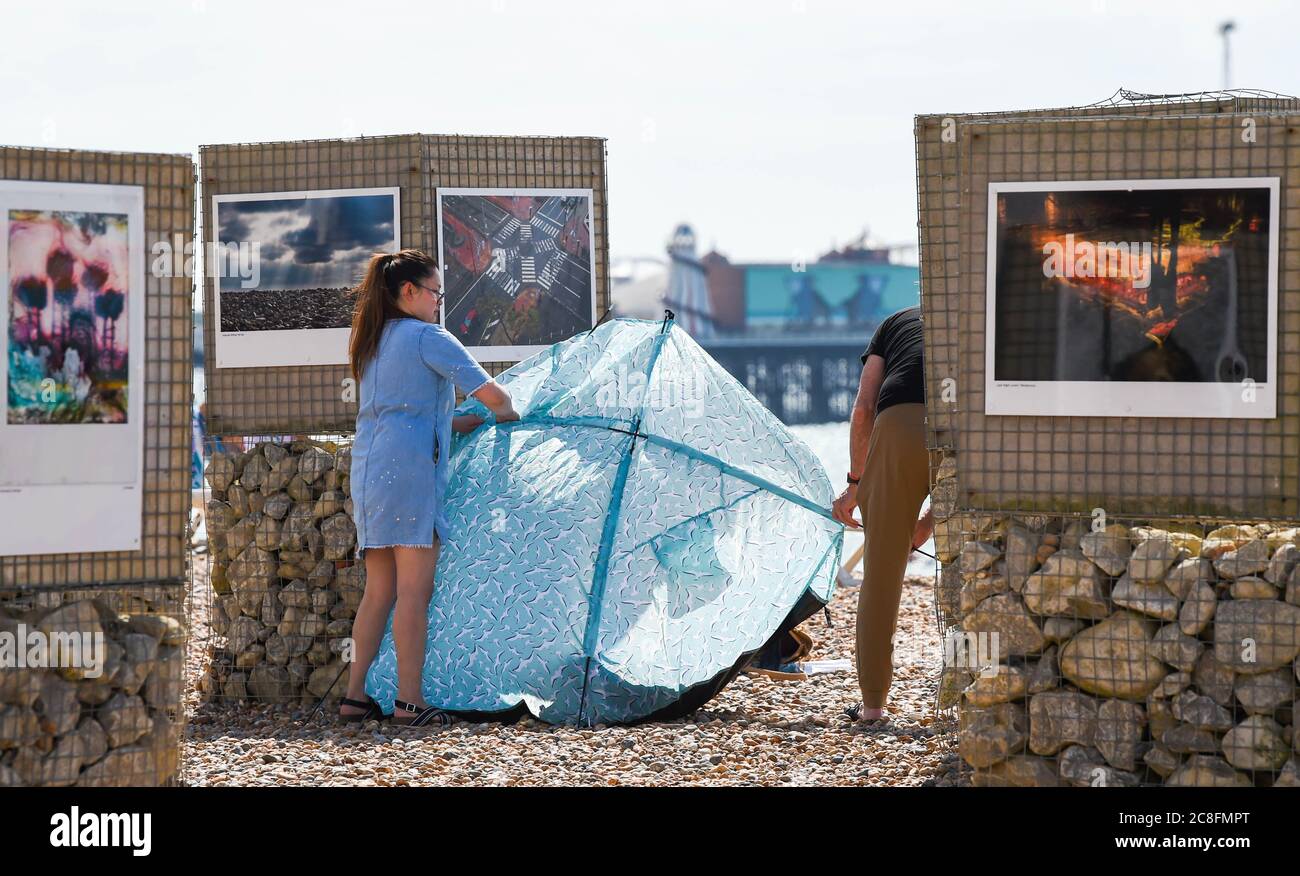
{"x": 517, "y": 267}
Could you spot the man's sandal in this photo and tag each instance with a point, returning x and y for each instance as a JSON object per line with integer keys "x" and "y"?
{"x": 372, "y": 712}
{"x": 422, "y": 717}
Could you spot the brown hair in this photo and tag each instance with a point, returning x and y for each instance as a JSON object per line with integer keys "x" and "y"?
{"x": 376, "y": 300}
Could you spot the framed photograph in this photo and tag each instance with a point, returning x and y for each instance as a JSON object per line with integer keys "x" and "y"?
{"x": 519, "y": 270}
{"x": 72, "y": 258}
{"x": 1133, "y": 298}
{"x": 285, "y": 264}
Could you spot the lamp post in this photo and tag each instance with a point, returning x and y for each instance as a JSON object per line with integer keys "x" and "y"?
{"x": 1226, "y": 28}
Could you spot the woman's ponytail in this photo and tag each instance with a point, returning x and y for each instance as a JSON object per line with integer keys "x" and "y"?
{"x": 376, "y": 300}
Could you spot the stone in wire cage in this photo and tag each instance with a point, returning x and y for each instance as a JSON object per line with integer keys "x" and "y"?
{"x": 94, "y": 697}
{"x": 1117, "y": 594}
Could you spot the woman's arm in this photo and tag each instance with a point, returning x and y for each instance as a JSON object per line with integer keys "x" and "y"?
{"x": 465, "y": 423}
{"x": 445, "y": 355}
{"x": 497, "y": 400}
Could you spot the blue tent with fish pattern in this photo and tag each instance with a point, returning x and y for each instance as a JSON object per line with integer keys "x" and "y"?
{"x": 623, "y": 550}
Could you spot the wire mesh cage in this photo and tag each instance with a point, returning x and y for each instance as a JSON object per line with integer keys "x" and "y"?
{"x": 94, "y": 641}
{"x": 1115, "y": 592}
{"x": 275, "y": 601}
{"x": 256, "y": 400}
{"x": 93, "y": 695}
{"x": 167, "y": 182}
{"x": 1181, "y": 465}
{"x": 1102, "y": 652}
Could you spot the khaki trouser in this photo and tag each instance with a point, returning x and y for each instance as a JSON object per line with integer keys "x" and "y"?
{"x": 895, "y": 481}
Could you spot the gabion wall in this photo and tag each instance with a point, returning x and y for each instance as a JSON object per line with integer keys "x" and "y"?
{"x": 1136, "y": 653}
{"x": 284, "y": 586}
{"x": 114, "y": 720}
{"x": 118, "y": 720}
{"x": 167, "y": 347}
{"x": 1196, "y": 467}
{"x": 1119, "y": 596}
{"x": 310, "y": 399}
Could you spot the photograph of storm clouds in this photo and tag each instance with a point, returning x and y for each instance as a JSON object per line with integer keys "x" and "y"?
{"x": 312, "y": 248}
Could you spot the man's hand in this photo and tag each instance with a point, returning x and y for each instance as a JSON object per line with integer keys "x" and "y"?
{"x": 842, "y": 510}
{"x": 924, "y": 529}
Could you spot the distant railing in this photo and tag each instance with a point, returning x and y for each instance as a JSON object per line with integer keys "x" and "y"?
{"x": 801, "y": 380}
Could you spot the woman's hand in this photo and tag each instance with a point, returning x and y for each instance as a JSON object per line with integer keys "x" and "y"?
{"x": 497, "y": 400}
{"x": 842, "y": 510}
{"x": 466, "y": 423}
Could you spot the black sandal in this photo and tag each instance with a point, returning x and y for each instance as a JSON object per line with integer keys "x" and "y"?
{"x": 423, "y": 717}
{"x": 372, "y": 710}
{"x": 854, "y": 713}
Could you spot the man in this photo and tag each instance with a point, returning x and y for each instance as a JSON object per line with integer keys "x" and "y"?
{"x": 889, "y": 478}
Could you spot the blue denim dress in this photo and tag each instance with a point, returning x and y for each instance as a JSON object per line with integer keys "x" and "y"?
{"x": 399, "y": 457}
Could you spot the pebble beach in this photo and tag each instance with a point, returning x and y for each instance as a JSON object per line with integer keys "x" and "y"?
{"x": 759, "y": 731}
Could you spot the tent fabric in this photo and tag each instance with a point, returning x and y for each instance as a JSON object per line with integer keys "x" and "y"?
{"x": 619, "y": 551}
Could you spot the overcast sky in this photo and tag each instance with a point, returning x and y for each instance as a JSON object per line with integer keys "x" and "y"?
{"x": 775, "y": 127}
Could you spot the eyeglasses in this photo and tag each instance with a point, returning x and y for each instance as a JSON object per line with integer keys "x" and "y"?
{"x": 437, "y": 292}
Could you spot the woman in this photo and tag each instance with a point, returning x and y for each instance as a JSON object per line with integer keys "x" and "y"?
{"x": 408, "y": 369}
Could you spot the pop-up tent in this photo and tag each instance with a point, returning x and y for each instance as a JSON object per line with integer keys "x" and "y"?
{"x": 621, "y": 551}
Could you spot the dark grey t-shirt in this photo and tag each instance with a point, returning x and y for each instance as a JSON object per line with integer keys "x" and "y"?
{"x": 898, "y": 341}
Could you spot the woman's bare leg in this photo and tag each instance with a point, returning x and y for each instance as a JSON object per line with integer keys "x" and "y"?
{"x": 415, "y": 568}
{"x": 368, "y": 626}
